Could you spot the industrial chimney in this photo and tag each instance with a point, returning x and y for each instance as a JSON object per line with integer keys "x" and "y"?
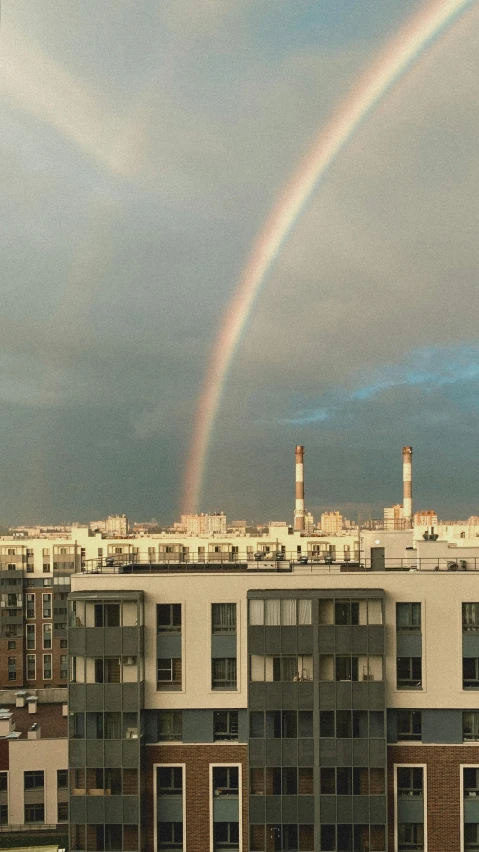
{"x": 407, "y": 484}
{"x": 299, "y": 523}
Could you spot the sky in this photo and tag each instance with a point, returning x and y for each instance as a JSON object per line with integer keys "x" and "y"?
{"x": 143, "y": 147}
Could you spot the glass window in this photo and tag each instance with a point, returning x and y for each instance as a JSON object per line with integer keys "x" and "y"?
{"x": 347, "y": 668}
{"x": 34, "y": 813}
{"x": 470, "y": 673}
{"x": 408, "y": 617}
{"x": 409, "y": 673}
{"x": 471, "y": 781}
{"x": 226, "y": 836}
{"x": 3, "y": 781}
{"x": 346, "y": 612}
{"x": 256, "y": 612}
{"x": 62, "y": 812}
{"x": 47, "y": 635}
{"x": 305, "y": 611}
{"x": 470, "y": 725}
{"x": 410, "y": 837}
{"x": 409, "y": 780}
{"x": 107, "y": 614}
{"x": 225, "y": 725}
{"x": 170, "y": 725}
{"x": 47, "y": 606}
{"x": 471, "y": 836}
{"x": 169, "y": 673}
{"x": 62, "y": 778}
{"x": 31, "y": 667}
{"x": 30, "y": 634}
{"x": 12, "y": 668}
{"x": 34, "y": 780}
{"x": 170, "y": 835}
{"x": 409, "y": 725}
{"x": 223, "y": 673}
{"x": 169, "y": 780}
{"x": 3, "y": 814}
{"x": 272, "y": 612}
{"x": 223, "y": 618}
{"x": 168, "y": 618}
{"x": 225, "y": 780}
{"x": 47, "y": 666}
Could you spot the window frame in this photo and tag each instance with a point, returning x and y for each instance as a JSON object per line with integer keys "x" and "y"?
{"x": 229, "y": 683}
{"x": 176, "y": 735}
{"x": 229, "y": 735}
{"x": 171, "y": 625}
{"x": 156, "y": 844}
{"x": 225, "y": 626}
{"x": 411, "y": 682}
{"x": 411, "y": 624}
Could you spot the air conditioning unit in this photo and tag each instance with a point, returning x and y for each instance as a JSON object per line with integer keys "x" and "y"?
{"x": 129, "y": 661}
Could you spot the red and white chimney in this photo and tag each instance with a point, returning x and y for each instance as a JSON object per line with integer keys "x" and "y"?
{"x": 299, "y": 519}
{"x": 407, "y": 484}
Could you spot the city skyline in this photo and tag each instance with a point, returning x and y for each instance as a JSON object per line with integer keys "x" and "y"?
{"x": 148, "y": 146}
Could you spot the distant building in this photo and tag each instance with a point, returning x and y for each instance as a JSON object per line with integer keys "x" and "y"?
{"x": 308, "y": 523}
{"x": 113, "y": 525}
{"x": 331, "y": 523}
{"x": 204, "y": 524}
{"x": 394, "y": 517}
{"x": 425, "y": 518}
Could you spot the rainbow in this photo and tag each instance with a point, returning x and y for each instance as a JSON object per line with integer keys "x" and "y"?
{"x": 399, "y": 55}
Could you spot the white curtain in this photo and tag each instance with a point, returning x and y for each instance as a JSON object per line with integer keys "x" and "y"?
{"x": 304, "y": 612}
{"x": 272, "y": 613}
{"x": 288, "y": 612}
{"x": 256, "y": 612}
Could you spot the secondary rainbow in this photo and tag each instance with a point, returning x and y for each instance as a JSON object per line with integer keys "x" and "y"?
{"x": 400, "y": 53}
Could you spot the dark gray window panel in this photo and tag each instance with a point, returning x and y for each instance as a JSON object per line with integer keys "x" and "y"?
{"x": 289, "y": 699}
{"x": 376, "y": 639}
{"x": 306, "y": 752}
{"x": 95, "y": 642}
{"x": 344, "y": 695}
{"x": 305, "y": 692}
{"x": 359, "y": 696}
{"x": 327, "y": 696}
{"x": 113, "y": 696}
{"x": 344, "y": 809}
{"x": 76, "y": 639}
{"x": 168, "y": 645}
{"x": 360, "y": 808}
{"x": 409, "y": 645}
{"x": 377, "y": 752}
{"x": 242, "y": 726}
{"x": 328, "y": 808}
{"x": 360, "y": 752}
{"x": 113, "y": 639}
{"x": 344, "y": 752}
{"x": 94, "y": 696}
{"x": 376, "y": 692}
{"x": 290, "y": 809}
{"x": 273, "y": 809}
{"x": 257, "y": 810}
{"x": 326, "y": 638}
{"x": 170, "y": 808}
{"x": 94, "y": 753}
{"x": 305, "y": 809}
{"x": 113, "y": 754}
{"x": 197, "y": 726}
{"x": 132, "y": 639}
{"x": 305, "y": 639}
{"x": 327, "y": 752}
{"x": 77, "y": 697}
{"x": 223, "y": 646}
{"x": 289, "y": 640}
{"x": 273, "y": 752}
{"x": 289, "y": 755}
{"x": 471, "y": 810}
{"x": 130, "y": 753}
{"x": 262, "y": 594}
{"x": 410, "y": 809}
{"x": 95, "y": 809}
{"x": 131, "y": 810}
{"x": 257, "y": 696}
{"x": 76, "y": 749}
{"x": 391, "y": 721}
{"x": 470, "y": 644}
{"x": 114, "y": 809}
{"x": 272, "y": 640}
{"x": 257, "y": 753}
{"x": 274, "y": 695}
{"x": 77, "y": 809}
{"x": 442, "y": 726}
{"x": 378, "y": 809}
{"x": 256, "y": 640}
{"x": 133, "y": 696}
{"x": 225, "y": 809}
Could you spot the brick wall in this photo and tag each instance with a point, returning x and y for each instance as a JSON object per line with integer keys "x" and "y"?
{"x": 197, "y": 759}
{"x": 443, "y": 790}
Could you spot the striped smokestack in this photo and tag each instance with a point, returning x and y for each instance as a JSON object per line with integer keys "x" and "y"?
{"x": 299, "y": 508}
{"x": 407, "y": 484}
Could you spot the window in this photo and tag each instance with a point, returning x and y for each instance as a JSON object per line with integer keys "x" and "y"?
{"x": 470, "y": 725}
{"x": 77, "y": 726}
{"x": 47, "y": 667}
{"x": 12, "y": 668}
{"x": 223, "y": 673}
{"x": 62, "y": 779}
{"x": 35, "y": 813}
{"x": 3, "y": 782}
{"x": 168, "y": 673}
{"x": 346, "y": 668}
{"x": 3, "y": 814}
{"x": 285, "y": 611}
{"x": 47, "y": 635}
{"x": 409, "y": 725}
{"x": 346, "y": 612}
{"x": 410, "y": 837}
{"x": 168, "y": 618}
{"x": 281, "y": 668}
{"x": 223, "y": 618}
{"x": 226, "y": 836}
{"x": 169, "y": 780}
{"x": 345, "y": 781}
{"x": 277, "y": 723}
{"x": 409, "y": 780}
{"x": 408, "y": 617}
{"x": 344, "y": 838}
{"x": 107, "y": 670}
{"x": 170, "y": 725}
{"x": 63, "y": 666}
{"x": 471, "y": 781}
{"x": 409, "y": 673}
{"x": 107, "y": 615}
{"x": 30, "y": 636}
{"x": 12, "y": 646}
{"x": 47, "y": 606}
{"x": 225, "y": 725}
{"x": 471, "y": 836}
{"x": 34, "y": 780}
{"x": 470, "y": 673}
{"x": 31, "y": 667}
{"x": 170, "y": 835}
{"x": 30, "y": 605}
{"x": 46, "y": 567}
{"x": 62, "y": 812}
{"x": 225, "y": 780}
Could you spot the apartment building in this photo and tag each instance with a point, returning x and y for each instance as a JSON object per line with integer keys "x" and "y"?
{"x": 265, "y": 707}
